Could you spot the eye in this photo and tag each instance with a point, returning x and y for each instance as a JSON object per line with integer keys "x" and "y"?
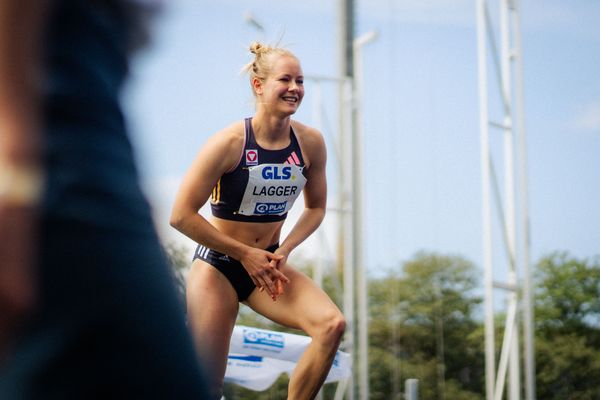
{"x": 300, "y": 81}
{"x": 284, "y": 79}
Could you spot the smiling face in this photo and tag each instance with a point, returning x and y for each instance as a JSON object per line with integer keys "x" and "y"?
{"x": 283, "y": 89}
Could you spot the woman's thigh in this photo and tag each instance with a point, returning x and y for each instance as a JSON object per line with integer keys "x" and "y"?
{"x": 211, "y": 302}
{"x": 303, "y": 305}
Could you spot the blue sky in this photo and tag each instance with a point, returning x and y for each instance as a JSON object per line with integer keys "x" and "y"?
{"x": 422, "y": 184}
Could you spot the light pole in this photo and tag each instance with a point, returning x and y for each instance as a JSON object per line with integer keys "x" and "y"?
{"x": 357, "y": 220}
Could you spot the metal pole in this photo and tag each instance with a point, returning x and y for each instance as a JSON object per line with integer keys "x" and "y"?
{"x": 357, "y": 207}
{"x": 528, "y": 327}
{"x": 348, "y": 250}
{"x": 509, "y": 336}
{"x": 345, "y": 35}
{"x": 317, "y": 107}
{"x": 411, "y": 389}
{"x": 486, "y": 212}
{"x": 509, "y": 187}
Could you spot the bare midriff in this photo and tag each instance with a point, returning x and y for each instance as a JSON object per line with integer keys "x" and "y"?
{"x": 255, "y": 234}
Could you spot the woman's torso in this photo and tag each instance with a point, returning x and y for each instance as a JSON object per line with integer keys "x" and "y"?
{"x": 250, "y": 203}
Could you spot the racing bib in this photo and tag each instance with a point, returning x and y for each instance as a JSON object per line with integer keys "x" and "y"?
{"x": 272, "y": 189}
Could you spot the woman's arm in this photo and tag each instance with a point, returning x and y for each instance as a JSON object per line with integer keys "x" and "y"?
{"x": 21, "y": 23}
{"x": 216, "y": 157}
{"x": 315, "y": 192}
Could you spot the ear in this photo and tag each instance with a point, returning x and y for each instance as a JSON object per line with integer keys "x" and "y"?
{"x": 257, "y": 85}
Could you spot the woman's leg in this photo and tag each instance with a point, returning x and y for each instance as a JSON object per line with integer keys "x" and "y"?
{"x": 305, "y": 306}
{"x": 212, "y": 306}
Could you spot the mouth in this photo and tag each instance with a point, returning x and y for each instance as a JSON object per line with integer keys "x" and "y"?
{"x": 291, "y": 99}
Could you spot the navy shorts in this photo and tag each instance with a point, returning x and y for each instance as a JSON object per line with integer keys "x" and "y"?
{"x": 233, "y": 270}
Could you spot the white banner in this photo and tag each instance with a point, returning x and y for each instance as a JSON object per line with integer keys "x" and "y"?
{"x": 258, "y": 356}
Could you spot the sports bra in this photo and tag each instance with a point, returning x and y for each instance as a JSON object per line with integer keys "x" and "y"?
{"x": 263, "y": 185}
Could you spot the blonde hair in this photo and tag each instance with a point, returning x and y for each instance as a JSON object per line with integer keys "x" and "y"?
{"x": 264, "y": 56}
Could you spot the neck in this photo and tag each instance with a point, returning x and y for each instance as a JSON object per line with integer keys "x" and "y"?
{"x": 269, "y": 127}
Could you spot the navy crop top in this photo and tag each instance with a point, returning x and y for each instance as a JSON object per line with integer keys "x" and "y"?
{"x": 264, "y": 184}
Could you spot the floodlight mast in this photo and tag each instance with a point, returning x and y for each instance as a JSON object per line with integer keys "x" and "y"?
{"x": 357, "y": 207}
{"x": 519, "y": 294}
{"x": 346, "y": 259}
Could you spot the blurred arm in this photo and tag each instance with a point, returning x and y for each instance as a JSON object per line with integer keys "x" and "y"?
{"x": 20, "y": 30}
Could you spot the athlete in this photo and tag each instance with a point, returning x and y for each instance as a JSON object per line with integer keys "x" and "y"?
{"x": 253, "y": 171}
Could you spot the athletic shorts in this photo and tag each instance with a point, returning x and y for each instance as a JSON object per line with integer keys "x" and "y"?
{"x": 233, "y": 270}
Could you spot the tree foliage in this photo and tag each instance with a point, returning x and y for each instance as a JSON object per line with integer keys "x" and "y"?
{"x": 423, "y": 319}
{"x": 567, "y": 327}
{"x": 180, "y": 261}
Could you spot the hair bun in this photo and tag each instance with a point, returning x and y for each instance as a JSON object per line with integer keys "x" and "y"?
{"x": 257, "y": 48}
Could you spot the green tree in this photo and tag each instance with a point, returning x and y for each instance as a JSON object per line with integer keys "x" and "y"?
{"x": 568, "y": 295}
{"x": 180, "y": 261}
{"x": 423, "y": 323}
{"x": 567, "y": 307}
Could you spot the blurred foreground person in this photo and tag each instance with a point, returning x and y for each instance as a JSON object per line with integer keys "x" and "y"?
{"x": 87, "y": 303}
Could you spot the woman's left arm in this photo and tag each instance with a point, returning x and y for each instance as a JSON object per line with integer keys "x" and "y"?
{"x": 315, "y": 193}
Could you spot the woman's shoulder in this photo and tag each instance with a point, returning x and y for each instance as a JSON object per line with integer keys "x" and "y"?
{"x": 231, "y": 136}
{"x": 306, "y": 134}
{"x": 223, "y": 149}
{"x": 233, "y": 132}
{"x": 311, "y": 141}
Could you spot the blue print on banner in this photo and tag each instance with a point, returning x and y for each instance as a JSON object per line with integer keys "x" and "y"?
{"x": 264, "y": 338}
{"x": 245, "y": 358}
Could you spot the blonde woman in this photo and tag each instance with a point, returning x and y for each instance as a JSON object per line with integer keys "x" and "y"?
{"x": 252, "y": 171}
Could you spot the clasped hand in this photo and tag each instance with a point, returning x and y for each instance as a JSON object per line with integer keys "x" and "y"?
{"x": 264, "y": 270}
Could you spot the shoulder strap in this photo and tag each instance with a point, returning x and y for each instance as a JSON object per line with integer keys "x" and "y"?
{"x": 296, "y": 145}
{"x": 250, "y": 140}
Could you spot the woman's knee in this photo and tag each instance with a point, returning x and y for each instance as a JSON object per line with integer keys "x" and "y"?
{"x": 338, "y": 324}
{"x": 332, "y": 326}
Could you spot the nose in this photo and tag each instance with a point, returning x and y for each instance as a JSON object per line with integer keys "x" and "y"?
{"x": 293, "y": 87}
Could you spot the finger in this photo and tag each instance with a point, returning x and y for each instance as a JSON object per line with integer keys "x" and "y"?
{"x": 256, "y": 282}
{"x": 274, "y": 296}
{"x": 279, "y": 287}
{"x": 280, "y": 275}
{"x": 269, "y": 286}
{"x": 275, "y": 257}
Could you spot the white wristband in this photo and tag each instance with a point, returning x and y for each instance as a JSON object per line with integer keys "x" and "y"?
{"x": 20, "y": 186}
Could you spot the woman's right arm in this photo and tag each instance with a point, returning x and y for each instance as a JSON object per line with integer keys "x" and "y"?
{"x": 219, "y": 155}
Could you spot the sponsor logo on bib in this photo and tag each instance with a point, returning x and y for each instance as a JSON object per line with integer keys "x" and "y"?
{"x": 251, "y": 157}
{"x": 270, "y": 208}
